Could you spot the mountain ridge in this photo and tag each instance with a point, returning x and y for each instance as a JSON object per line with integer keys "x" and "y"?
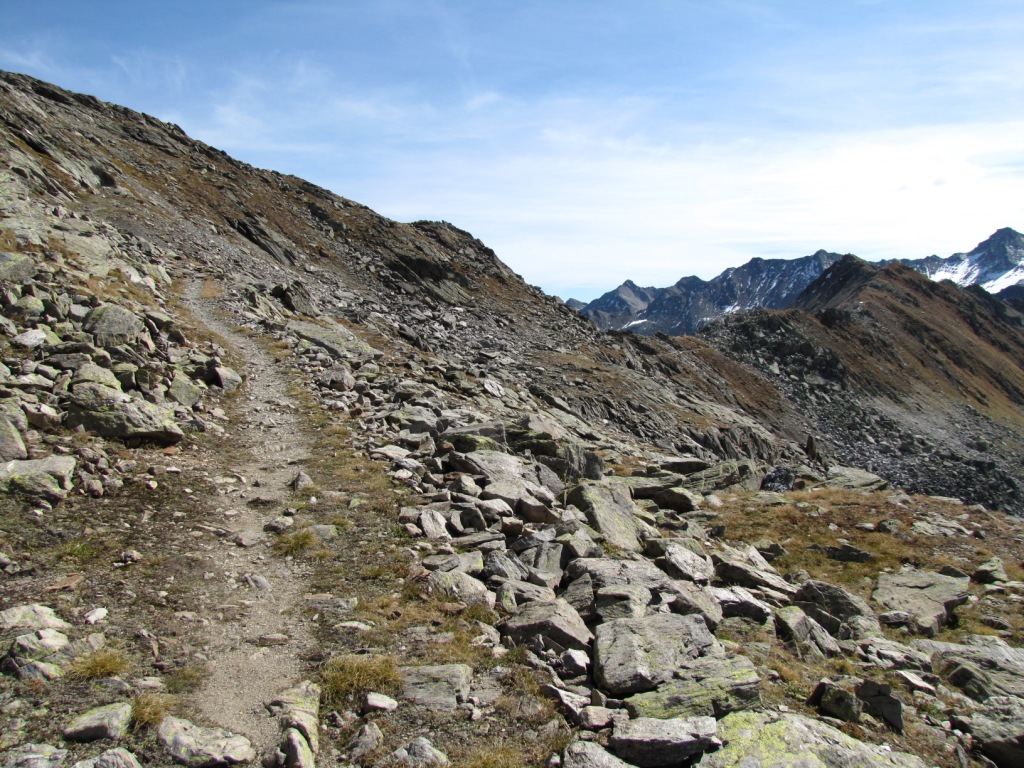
{"x": 687, "y": 305}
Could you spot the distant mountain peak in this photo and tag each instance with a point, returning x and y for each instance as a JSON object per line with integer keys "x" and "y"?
{"x": 995, "y": 264}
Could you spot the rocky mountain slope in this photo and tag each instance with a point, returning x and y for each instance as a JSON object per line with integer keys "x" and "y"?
{"x": 684, "y": 308}
{"x": 286, "y": 481}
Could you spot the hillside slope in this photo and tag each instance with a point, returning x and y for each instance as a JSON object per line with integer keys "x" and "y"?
{"x": 916, "y": 380}
{"x": 287, "y": 483}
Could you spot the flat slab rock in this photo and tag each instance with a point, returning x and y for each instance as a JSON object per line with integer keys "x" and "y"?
{"x": 587, "y": 754}
{"x": 651, "y": 743}
{"x": 929, "y": 598}
{"x": 774, "y": 740}
{"x": 112, "y": 758}
{"x": 634, "y": 655}
{"x": 711, "y": 686}
{"x": 199, "y": 747}
{"x": 440, "y": 687}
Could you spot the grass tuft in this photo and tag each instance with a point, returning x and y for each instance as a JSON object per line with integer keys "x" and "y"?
{"x": 105, "y": 662}
{"x": 346, "y": 678}
{"x": 149, "y": 709}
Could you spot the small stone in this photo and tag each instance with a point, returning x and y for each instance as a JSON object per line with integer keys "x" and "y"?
{"x": 378, "y": 702}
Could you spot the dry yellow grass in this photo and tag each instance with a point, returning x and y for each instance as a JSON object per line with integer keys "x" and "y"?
{"x": 346, "y": 678}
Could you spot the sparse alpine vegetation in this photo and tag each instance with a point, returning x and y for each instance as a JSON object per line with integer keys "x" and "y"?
{"x": 284, "y": 480}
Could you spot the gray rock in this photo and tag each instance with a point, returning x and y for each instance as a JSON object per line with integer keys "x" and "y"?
{"x": 34, "y": 756}
{"x": 929, "y": 598}
{"x": 226, "y": 378}
{"x": 49, "y": 478}
{"x": 108, "y": 722}
{"x": 651, "y": 743}
{"x": 878, "y": 700}
{"x": 11, "y": 445}
{"x": 17, "y": 267}
{"x": 998, "y": 729}
{"x": 633, "y": 655}
{"x": 686, "y": 598}
{"x": 32, "y": 616}
{"x": 198, "y": 747}
{"x": 777, "y": 740}
{"x": 795, "y": 626}
{"x": 710, "y": 686}
{"x": 683, "y": 560}
{"x": 111, "y": 413}
{"x": 836, "y": 700}
{"x": 112, "y": 758}
{"x": 459, "y": 585}
{"x": 366, "y": 740}
{"x": 612, "y": 513}
{"x": 557, "y": 621}
{"x": 990, "y": 572}
{"x": 622, "y": 602}
{"x": 842, "y": 614}
{"x": 980, "y": 671}
{"x": 745, "y": 567}
{"x": 112, "y": 325}
{"x": 738, "y": 601}
{"x": 420, "y": 753}
{"x": 587, "y": 754}
{"x": 438, "y": 687}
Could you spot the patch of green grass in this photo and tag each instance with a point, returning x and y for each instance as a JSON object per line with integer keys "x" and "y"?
{"x": 346, "y": 678}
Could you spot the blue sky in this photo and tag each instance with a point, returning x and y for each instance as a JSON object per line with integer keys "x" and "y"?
{"x": 589, "y": 142}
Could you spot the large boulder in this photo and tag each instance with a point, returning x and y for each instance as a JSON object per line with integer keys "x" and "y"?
{"x": 610, "y": 511}
{"x": 111, "y": 413}
{"x": 556, "y": 621}
{"x": 982, "y": 670}
{"x": 928, "y": 598}
{"x": 998, "y": 730}
{"x": 48, "y": 478}
{"x": 710, "y": 686}
{"x": 634, "y": 655}
{"x": 842, "y": 614}
{"x": 199, "y": 747}
{"x": 796, "y": 627}
{"x": 777, "y": 740}
{"x": 113, "y": 326}
{"x": 587, "y": 754}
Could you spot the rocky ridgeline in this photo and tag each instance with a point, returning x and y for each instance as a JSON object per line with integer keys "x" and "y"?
{"x": 573, "y": 485}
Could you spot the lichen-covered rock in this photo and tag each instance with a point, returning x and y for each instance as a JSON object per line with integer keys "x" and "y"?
{"x": 634, "y": 655}
{"x": 33, "y": 756}
{"x": 32, "y": 616}
{"x": 651, "y": 743}
{"x": 112, "y": 413}
{"x": 929, "y": 598}
{"x": 709, "y": 686}
{"x": 107, "y": 722}
{"x": 776, "y": 740}
{"x": 611, "y": 512}
{"x": 440, "y": 687}
{"x": 48, "y": 478}
{"x": 199, "y": 747}
{"x": 112, "y": 325}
